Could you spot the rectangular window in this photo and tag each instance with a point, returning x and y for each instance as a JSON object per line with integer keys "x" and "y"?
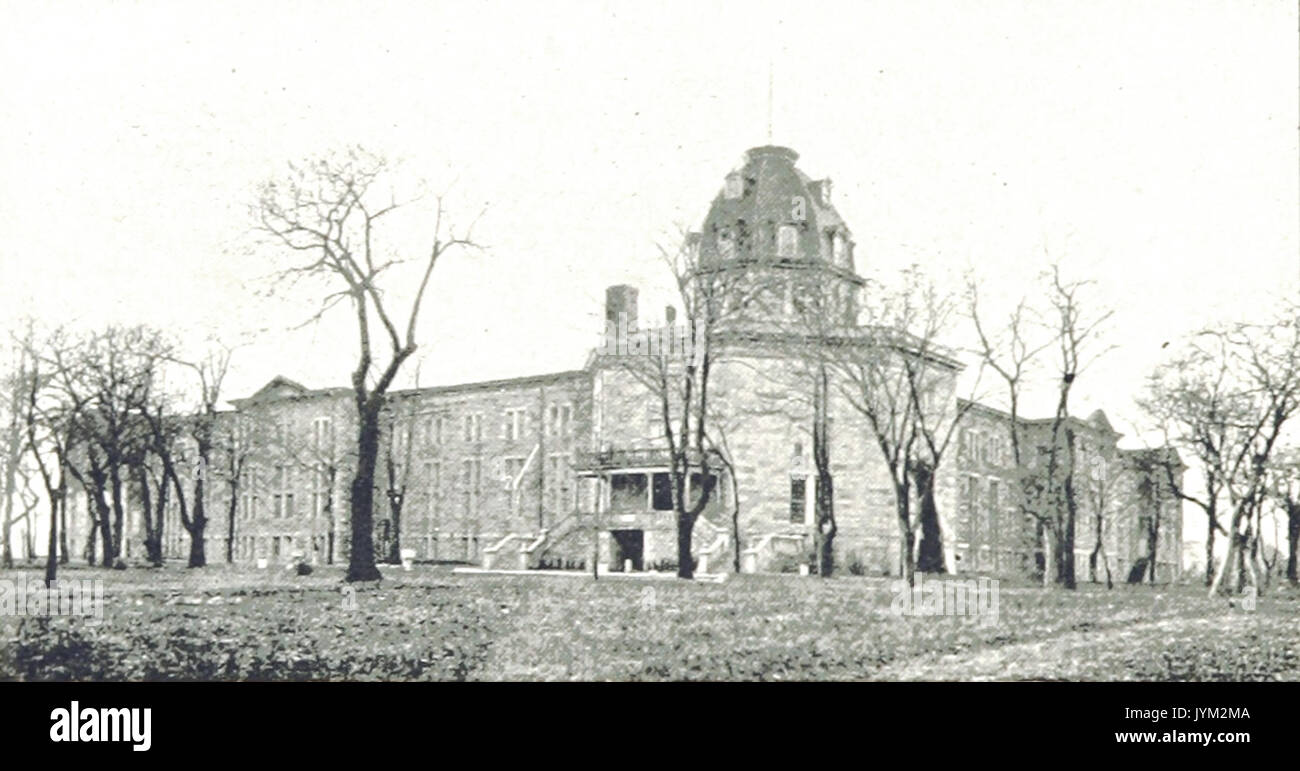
{"x": 471, "y": 484}
{"x": 654, "y": 421}
{"x": 627, "y": 491}
{"x": 277, "y": 493}
{"x": 515, "y": 424}
{"x": 561, "y": 416}
{"x": 432, "y": 488}
{"x": 322, "y": 436}
{"x": 787, "y": 241}
{"x": 663, "y": 492}
{"x": 319, "y": 484}
{"x": 798, "y": 500}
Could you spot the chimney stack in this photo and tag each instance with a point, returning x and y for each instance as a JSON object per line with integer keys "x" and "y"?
{"x": 620, "y": 299}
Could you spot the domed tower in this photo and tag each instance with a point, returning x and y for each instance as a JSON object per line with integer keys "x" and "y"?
{"x": 775, "y": 245}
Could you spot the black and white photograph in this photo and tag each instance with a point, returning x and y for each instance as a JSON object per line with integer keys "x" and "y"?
{"x": 601, "y": 342}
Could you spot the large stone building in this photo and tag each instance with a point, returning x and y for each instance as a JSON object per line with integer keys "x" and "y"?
{"x": 551, "y": 470}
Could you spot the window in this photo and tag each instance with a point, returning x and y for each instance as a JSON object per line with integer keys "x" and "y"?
{"x": 433, "y": 487}
{"x": 471, "y": 484}
{"x": 319, "y": 485}
{"x": 246, "y": 494}
{"x": 561, "y": 483}
{"x": 735, "y": 187}
{"x": 561, "y": 419}
{"x": 627, "y": 491}
{"x": 516, "y": 424}
{"x": 277, "y": 492}
{"x": 322, "y": 436}
{"x": 434, "y": 434}
{"x": 840, "y": 250}
{"x": 473, "y": 428}
{"x": 662, "y": 493}
{"x": 511, "y": 468}
{"x": 787, "y": 241}
{"x": 726, "y": 244}
{"x": 798, "y": 499}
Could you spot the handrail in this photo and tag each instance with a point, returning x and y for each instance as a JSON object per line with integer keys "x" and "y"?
{"x": 490, "y": 553}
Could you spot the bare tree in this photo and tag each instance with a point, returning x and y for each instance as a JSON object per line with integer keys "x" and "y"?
{"x": 13, "y": 446}
{"x": 712, "y": 294}
{"x": 1076, "y": 330}
{"x": 895, "y": 373}
{"x": 202, "y": 424}
{"x": 50, "y": 430}
{"x": 1104, "y": 494}
{"x": 1193, "y": 401}
{"x": 1010, "y": 350}
{"x": 326, "y": 213}
{"x": 107, "y": 379}
{"x": 1286, "y": 491}
{"x": 1046, "y": 497}
{"x": 1265, "y": 362}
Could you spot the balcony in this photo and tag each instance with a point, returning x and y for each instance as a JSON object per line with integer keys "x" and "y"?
{"x": 635, "y": 458}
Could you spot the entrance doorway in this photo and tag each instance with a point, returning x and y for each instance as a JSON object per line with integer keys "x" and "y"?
{"x": 629, "y": 545}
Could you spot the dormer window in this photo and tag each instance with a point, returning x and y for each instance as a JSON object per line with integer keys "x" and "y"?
{"x": 787, "y": 241}
{"x": 726, "y": 244}
{"x": 840, "y": 250}
{"x": 735, "y": 186}
{"x": 825, "y": 189}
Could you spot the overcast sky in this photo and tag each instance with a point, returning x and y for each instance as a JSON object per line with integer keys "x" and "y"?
{"x": 1151, "y": 146}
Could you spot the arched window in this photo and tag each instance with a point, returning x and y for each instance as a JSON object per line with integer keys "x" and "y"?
{"x": 787, "y": 241}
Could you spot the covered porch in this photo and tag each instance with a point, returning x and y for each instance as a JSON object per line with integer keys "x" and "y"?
{"x": 629, "y": 493}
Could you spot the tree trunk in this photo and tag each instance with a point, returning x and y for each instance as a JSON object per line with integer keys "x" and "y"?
{"x": 685, "y": 562}
{"x": 735, "y": 521}
{"x": 1153, "y": 540}
{"x": 1292, "y": 540}
{"x": 231, "y": 511}
{"x": 1067, "y": 577}
{"x": 907, "y": 537}
{"x": 826, "y": 527}
{"x": 395, "y": 536}
{"x": 51, "y": 550}
{"x": 929, "y": 558}
{"x": 198, "y": 547}
{"x": 361, "y": 553}
{"x": 199, "y": 520}
{"x": 91, "y": 535}
{"x": 64, "y": 556}
{"x": 1209, "y": 556}
{"x": 119, "y": 516}
{"x": 153, "y": 518}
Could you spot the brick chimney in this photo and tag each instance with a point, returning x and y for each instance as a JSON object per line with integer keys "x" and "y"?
{"x": 620, "y": 299}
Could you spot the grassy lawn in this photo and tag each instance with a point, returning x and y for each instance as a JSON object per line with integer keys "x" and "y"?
{"x": 429, "y": 624}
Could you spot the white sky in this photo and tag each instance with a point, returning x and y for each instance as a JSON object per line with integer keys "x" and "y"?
{"x": 1151, "y": 146}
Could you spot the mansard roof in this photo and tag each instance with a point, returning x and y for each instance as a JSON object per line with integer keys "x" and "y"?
{"x": 769, "y": 190}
